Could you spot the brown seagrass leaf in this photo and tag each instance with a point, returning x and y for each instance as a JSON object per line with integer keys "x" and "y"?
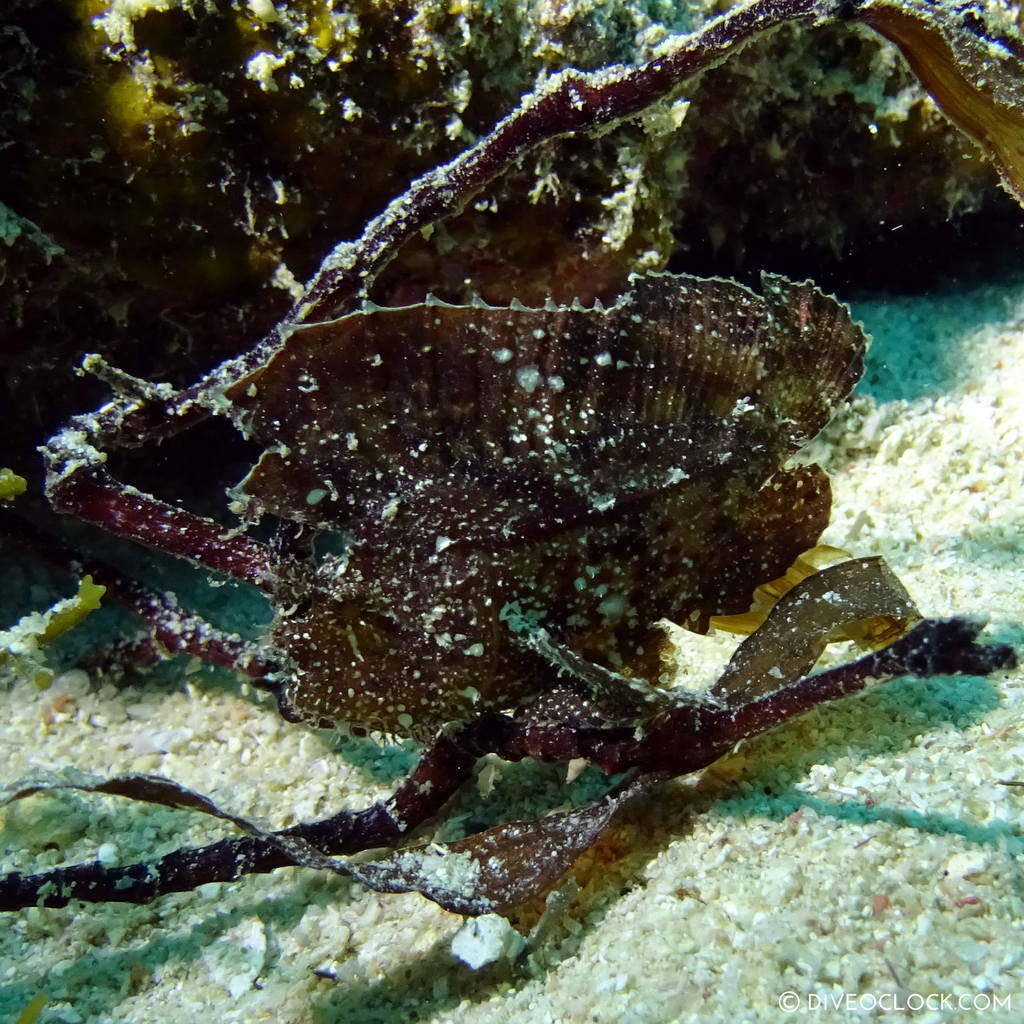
{"x": 151, "y": 789}
{"x": 791, "y": 639}
{"x": 155, "y": 789}
{"x": 972, "y": 69}
{"x": 543, "y": 417}
{"x": 502, "y": 867}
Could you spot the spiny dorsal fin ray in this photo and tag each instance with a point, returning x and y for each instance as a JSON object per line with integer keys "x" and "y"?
{"x": 554, "y": 412}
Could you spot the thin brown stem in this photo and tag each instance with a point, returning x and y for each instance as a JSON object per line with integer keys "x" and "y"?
{"x": 93, "y": 495}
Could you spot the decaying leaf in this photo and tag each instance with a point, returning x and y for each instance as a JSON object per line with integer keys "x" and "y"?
{"x": 502, "y": 867}
{"x": 795, "y": 632}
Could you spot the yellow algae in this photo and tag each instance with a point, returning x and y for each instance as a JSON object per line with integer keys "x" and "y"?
{"x": 21, "y": 645}
{"x": 134, "y": 113}
{"x": 11, "y": 485}
{"x": 67, "y": 614}
{"x": 871, "y": 634}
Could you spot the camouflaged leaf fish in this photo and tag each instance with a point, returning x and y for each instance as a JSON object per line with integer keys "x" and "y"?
{"x": 493, "y": 472}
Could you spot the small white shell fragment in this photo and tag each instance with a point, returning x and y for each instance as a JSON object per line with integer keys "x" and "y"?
{"x": 482, "y": 940}
{"x": 963, "y": 865}
{"x": 238, "y": 957}
{"x": 107, "y": 854}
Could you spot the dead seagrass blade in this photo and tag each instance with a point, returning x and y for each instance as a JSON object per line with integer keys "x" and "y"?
{"x": 974, "y": 73}
{"x": 502, "y": 867}
{"x": 796, "y": 630}
{"x": 500, "y": 470}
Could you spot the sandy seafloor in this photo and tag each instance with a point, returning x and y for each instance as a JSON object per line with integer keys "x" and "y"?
{"x": 869, "y": 852}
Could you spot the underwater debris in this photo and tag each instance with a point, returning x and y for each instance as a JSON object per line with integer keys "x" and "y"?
{"x": 32, "y": 1010}
{"x": 479, "y": 462}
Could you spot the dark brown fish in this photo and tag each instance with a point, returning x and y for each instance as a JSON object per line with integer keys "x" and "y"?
{"x": 498, "y": 471}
